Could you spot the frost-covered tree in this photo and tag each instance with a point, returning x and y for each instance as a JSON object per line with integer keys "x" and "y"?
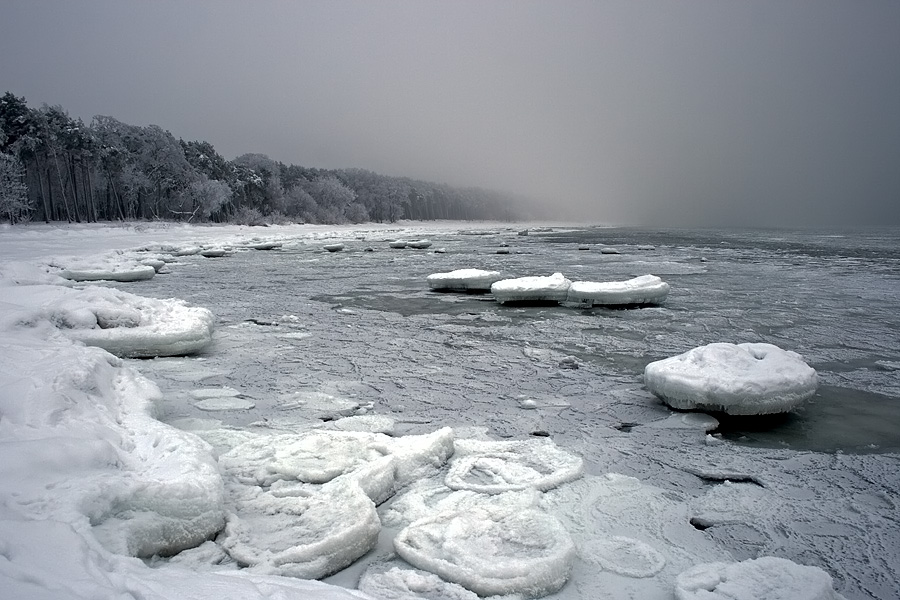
{"x": 202, "y": 198}
{"x": 13, "y": 192}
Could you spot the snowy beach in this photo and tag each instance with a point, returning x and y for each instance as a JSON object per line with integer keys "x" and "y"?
{"x": 335, "y": 418}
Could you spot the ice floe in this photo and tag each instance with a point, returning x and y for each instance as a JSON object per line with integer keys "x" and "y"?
{"x": 624, "y": 556}
{"x": 738, "y": 379}
{"x": 492, "y": 550}
{"x": 125, "y": 324}
{"x": 395, "y": 580}
{"x": 492, "y": 467}
{"x": 333, "y": 247}
{"x": 646, "y": 289}
{"x": 464, "y": 280}
{"x": 765, "y": 578}
{"x": 552, "y": 288}
{"x": 304, "y": 504}
{"x": 118, "y": 269}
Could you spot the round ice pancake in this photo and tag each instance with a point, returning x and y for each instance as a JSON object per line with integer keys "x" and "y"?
{"x": 743, "y": 379}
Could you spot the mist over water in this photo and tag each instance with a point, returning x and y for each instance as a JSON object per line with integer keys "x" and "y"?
{"x": 688, "y": 114}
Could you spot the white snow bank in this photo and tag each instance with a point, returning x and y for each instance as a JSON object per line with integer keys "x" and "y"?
{"x": 646, "y": 289}
{"x": 53, "y": 560}
{"x": 462, "y": 280}
{"x": 493, "y": 467}
{"x": 492, "y": 550}
{"x": 744, "y": 379}
{"x": 121, "y": 323}
{"x": 765, "y": 578}
{"x": 553, "y": 288}
{"x": 79, "y": 446}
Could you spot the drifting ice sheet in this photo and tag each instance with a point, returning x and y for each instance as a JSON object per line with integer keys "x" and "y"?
{"x": 744, "y": 379}
{"x": 463, "y": 280}
{"x": 646, "y": 289}
{"x": 553, "y": 288}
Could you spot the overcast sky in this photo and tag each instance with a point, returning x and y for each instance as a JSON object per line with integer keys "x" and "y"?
{"x": 669, "y": 112}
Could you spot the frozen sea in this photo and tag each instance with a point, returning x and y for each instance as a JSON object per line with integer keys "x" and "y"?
{"x": 305, "y": 337}
{"x": 364, "y": 325}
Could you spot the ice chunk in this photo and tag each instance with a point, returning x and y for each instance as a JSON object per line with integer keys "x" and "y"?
{"x": 744, "y": 379}
{"x": 398, "y": 244}
{"x": 113, "y": 267}
{"x": 224, "y": 403}
{"x": 419, "y": 244}
{"x": 333, "y": 247}
{"x": 285, "y": 524}
{"x": 462, "y": 280}
{"x": 493, "y": 467}
{"x": 131, "y": 326}
{"x": 392, "y": 580}
{"x": 302, "y": 536}
{"x": 765, "y": 578}
{"x": 491, "y": 550}
{"x": 553, "y": 288}
{"x": 264, "y": 245}
{"x": 311, "y": 457}
{"x": 646, "y": 289}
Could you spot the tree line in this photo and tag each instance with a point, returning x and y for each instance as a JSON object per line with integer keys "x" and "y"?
{"x": 56, "y": 168}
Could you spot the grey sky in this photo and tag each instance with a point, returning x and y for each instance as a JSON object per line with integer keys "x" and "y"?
{"x": 686, "y": 112}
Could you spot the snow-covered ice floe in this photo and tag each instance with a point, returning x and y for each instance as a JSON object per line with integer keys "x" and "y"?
{"x": 119, "y": 269}
{"x": 464, "y": 280}
{"x": 125, "y": 324}
{"x": 493, "y": 467}
{"x": 765, "y": 578}
{"x": 552, "y": 288}
{"x": 742, "y": 379}
{"x": 492, "y": 549}
{"x": 303, "y": 505}
{"x": 646, "y": 289}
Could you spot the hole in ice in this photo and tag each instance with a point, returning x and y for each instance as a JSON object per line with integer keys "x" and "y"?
{"x": 626, "y": 427}
{"x": 700, "y": 524}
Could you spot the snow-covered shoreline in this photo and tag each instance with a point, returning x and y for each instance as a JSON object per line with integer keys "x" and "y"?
{"x": 73, "y": 491}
